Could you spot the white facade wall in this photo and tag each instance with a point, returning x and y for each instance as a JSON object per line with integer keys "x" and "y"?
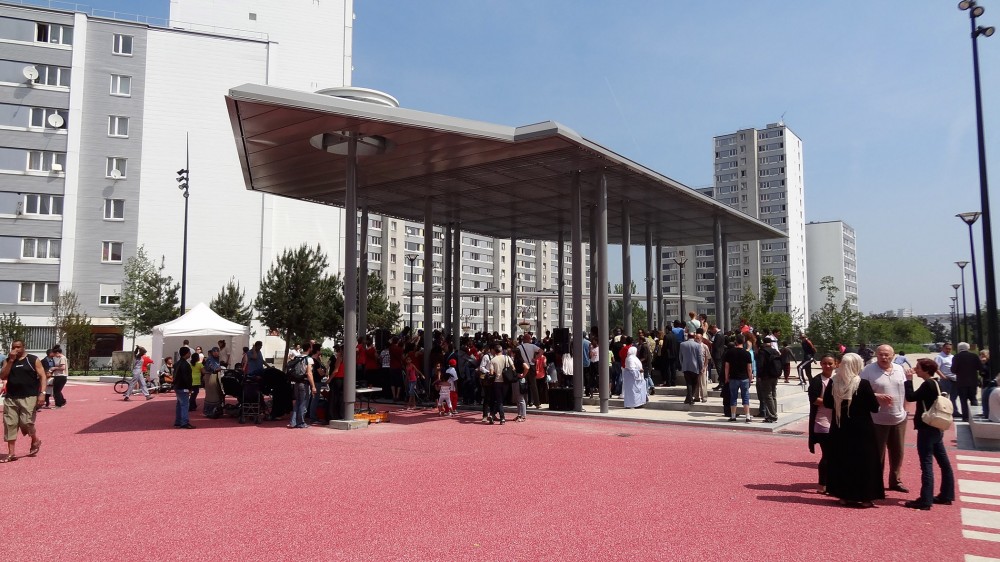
{"x": 310, "y": 39}
{"x": 796, "y": 271}
{"x": 831, "y": 250}
{"x": 183, "y": 96}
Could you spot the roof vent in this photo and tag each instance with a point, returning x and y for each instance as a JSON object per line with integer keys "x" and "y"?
{"x": 361, "y": 94}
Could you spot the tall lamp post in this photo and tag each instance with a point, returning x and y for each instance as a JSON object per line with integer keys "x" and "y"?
{"x": 182, "y": 184}
{"x": 954, "y": 321}
{"x": 991, "y": 290}
{"x": 680, "y": 281}
{"x": 955, "y": 333}
{"x": 412, "y": 258}
{"x": 970, "y": 218}
{"x": 965, "y": 322}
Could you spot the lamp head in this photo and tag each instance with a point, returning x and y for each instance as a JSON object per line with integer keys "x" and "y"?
{"x": 985, "y": 31}
{"x": 962, "y": 263}
{"x": 977, "y": 11}
{"x": 955, "y": 286}
{"x": 965, "y": 5}
{"x": 970, "y": 217}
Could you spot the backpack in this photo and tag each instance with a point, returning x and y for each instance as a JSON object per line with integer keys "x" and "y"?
{"x": 770, "y": 364}
{"x": 939, "y": 415}
{"x": 295, "y": 371}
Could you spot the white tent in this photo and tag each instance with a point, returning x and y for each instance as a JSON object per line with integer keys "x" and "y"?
{"x": 200, "y": 326}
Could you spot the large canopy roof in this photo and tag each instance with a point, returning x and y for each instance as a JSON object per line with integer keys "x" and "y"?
{"x": 495, "y": 180}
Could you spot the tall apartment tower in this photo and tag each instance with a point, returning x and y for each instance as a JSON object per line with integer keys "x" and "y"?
{"x": 759, "y": 172}
{"x": 832, "y": 251}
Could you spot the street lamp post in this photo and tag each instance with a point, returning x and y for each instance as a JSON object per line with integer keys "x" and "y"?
{"x": 412, "y": 258}
{"x": 954, "y": 321}
{"x": 965, "y": 322}
{"x": 970, "y": 218}
{"x": 955, "y": 333}
{"x": 182, "y": 184}
{"x": 984, "y": 194}
{"x": 680, "y": 282}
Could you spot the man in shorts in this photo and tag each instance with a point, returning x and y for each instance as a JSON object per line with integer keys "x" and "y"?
{"x": 25, "y": 380}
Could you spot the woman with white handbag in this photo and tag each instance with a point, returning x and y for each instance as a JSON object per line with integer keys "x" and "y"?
{"x": 931, "y": 419}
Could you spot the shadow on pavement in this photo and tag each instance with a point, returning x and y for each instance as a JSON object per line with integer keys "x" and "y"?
{"x": 800, "y": 487}
{"x": 158, "y": 414}
{"x": 814, "y": 500}
{"x": 800, "y": 464}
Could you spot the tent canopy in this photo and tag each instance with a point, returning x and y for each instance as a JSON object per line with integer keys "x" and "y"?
{"x": 200, "y": 326}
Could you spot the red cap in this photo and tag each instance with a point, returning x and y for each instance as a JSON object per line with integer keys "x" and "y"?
{"x": 452, "y": 363}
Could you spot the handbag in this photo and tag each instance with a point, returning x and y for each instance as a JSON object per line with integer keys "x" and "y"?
{"x": 939, "y": 415}
{"x": 508, "y": 371}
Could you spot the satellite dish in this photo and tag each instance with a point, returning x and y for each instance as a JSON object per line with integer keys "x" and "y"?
{"x": 116, "y": 174}
{"x": 56, "y": 121}
{"x": 30, "y": 72}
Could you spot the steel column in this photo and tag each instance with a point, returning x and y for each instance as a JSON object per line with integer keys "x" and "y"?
{"x": 592, "y": 242}
{"x": 576, "y": 337}
{"x": 727, "y": 317}
{"x": 626, "y": 269}
{"x": 561, "y": 279}
{"x": 649, "y": 280}
{"x": 446, "y": 281}
{"x": 428, "y": 289}
{"x": 659, "y": 286}
{"x": 721, "y": 262}
{"x": 350, "y": 277}
{"x": 456, "y": 284}
{"x": 602, "y": 291}
{"x": 513, "y": 285}
{"x": 363, "y": 274}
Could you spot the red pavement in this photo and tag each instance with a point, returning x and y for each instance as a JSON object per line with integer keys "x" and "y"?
{"x": 115, "y": 481}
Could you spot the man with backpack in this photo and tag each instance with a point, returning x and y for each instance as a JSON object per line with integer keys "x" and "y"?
{"x": 300, "y": 375}
{"x": 769, "y": 369}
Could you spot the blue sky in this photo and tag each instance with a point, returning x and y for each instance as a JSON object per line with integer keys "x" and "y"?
{"x": 880, "y": 93}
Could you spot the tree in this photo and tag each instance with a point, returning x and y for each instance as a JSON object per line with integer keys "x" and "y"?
{"x": 231, "y": 304}
{"x": 298, "y": 299}
{"x": 939, "y": 332}
{"x": 832, "y": 325}
{"x": 11, "y": 330}
{"x": 137, "y": 270}
{"x": 79, "y": 335}
{"x": 616, "y": 310}
{"x": 148, "y": 297}
{"x": 757, "y": 310}
{"x": 381, "y": 312}
{"x": 73, "y": 329}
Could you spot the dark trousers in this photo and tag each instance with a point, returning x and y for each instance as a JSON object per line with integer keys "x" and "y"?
{"x": 805, "y": 369}
{"x": 966, "y": 394}
{"x": 57, "y": 387}
{"x": 690, "y": 381}
{"x": 533, "y": 395}
{"x": 930, "y": 446}
{"x": 590, "y": 378}
{"x": 824, "y": 462}
{"x": 193, "y": 404}
{"x": 496, "y": 405}
{"x": 727, "y": 408}
{"x": 487, "y": 393}
{"x": 335, "y": 405}
{"x": 767, "y": 393}
{"x": 890, "y": 437}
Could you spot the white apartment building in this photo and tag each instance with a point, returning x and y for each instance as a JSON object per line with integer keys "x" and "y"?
{"x": 759, "y": 172}
{"x": 832, "y": 251}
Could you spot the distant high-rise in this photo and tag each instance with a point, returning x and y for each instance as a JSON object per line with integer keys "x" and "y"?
{"x": 759, "y": 172}
{"x": 831, "y": 247}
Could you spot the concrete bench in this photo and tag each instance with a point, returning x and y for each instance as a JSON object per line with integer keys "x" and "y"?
{"x": 985, "y": 434}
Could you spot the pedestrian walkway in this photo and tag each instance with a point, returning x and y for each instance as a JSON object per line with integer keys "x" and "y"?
{"x": 978, "y": 477}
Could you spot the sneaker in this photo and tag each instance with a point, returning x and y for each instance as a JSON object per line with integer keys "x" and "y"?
{"x": 748, "y": 419}
{"x": 150, "y": 397}
{"x": 732, "y": 419}
{"x": 126, "y": 397}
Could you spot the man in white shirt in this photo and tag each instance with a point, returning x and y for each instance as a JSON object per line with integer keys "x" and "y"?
{"x": 887, "y": 380}
{"x": 948, "y": 378}
{"x": 528, "y": 353}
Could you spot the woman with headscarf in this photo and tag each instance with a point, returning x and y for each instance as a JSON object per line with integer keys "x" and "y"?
{"x": 855, "y": 469}
{"x": 633, "y": 381}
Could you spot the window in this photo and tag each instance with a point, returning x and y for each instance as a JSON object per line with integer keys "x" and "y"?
{"x": 43, "y": 204}
{"x": 121, "y": 85}
{"x": 122, "y": 45}
{"x": 42, "y": 161}
{"x": 40, "y": 248}
{"x": 375, "y": 256}
{"x": 52, "y": 33}
{"x": 116, "y": 163}
{"x": 110, "y": 294}
{"x": 52, "y": 75}
{"x": 39, "y": 118}
{"x": 111, "y": 252}
{"x": 375, "y": 240}
{"x": 38, "y": 293}
{"x": 117, "y": 126}
{"x": 114, "y": 209}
